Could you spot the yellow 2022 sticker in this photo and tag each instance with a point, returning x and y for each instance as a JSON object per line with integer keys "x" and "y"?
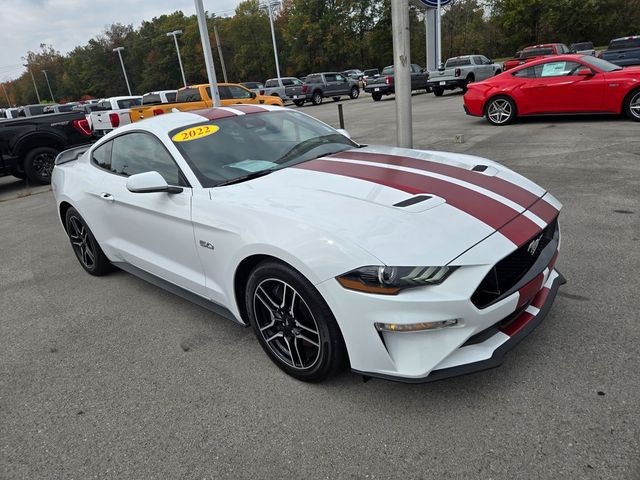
{"x": 194, "y": 133}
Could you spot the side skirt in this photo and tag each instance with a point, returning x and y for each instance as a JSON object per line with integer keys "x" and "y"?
{"x": 179, "y": 291}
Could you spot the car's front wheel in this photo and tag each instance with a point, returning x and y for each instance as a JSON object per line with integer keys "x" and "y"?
{"x": 85, "y": 246}
{"x": 292, "y": 322}
{"x": 632, "y": 105}
{"x": 501, "y": 111}
{"x": 355, "y": 93}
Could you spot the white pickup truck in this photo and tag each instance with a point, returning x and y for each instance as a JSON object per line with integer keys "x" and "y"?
{"x": 458, "y": 72}
{"x": 161, "y": 96}
{"x": 112, "y": 113}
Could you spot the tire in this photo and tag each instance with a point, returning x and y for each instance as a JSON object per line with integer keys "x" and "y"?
{"x": 307, "y": 345}
{"x": 632, "y": 105}
{"x": 498, "y": 72}
{"x": 500, "y": 111}
{"x": 298, "y": 103}
{"x": 39, "y": 163}
{"x": 336, "y": 99}
{"x": 470, "y": 79}
{"x": 316, "y": 99}
{"x": 85, "y": 246}
{"x": 437, "y": 91}
{"x": 355, "y": 93}
{"x": 376, "y": 97}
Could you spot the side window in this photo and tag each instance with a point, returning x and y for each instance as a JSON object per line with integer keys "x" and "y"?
{"x": 484, "y": 60}
{"x": 556, "y": 69}
{"x": 526, "y": 73}
{"x": 223, "y": 90}
{"x": 238, "y": 92}
{"x": 171, "y": 97}
{"x": 330, "y": 77}
{"x": 104, "y": 105}
{"x": 477, "y": 60}
{"x": 287, "y": 82}
{"x": 102, "y": 156}
{"x": 340, "y": 78}
{"x": 141, "y": 152}
{"x": 268, "y": 84}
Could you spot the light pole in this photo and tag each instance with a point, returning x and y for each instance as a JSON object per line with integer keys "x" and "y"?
{"x": 273, "y": 38}
{"x": 224, "y": 70}
{"x": 206, "y": 50}
{"x": 402, "y": 72}
{"x": 49, "y": 85}
{"x": 34, "y": 82}
{"x": 175, "y": 34}
{"x": 439, "y": 34}
{"x": 119, "y": 50}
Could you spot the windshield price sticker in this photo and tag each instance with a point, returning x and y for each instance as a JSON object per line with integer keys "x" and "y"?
{"x": 194, "y": 133}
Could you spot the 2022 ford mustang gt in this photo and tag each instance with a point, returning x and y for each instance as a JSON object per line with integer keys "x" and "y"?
{"x": 409, "y": 265}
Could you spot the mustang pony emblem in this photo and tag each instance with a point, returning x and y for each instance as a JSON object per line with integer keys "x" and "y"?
{"x": 533, "y": 246}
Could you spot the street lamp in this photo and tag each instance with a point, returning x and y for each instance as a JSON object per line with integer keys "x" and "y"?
{"x": 175, "y": 34}
{"x": 119, "y": 50}
{"x": 206, "y": 50}
{"x": 49, "y": 85}
{"x": 270, "y": 4}
{"x": 33, "y": 79}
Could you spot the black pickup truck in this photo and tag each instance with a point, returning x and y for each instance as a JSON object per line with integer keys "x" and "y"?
{"x": 623, "y": 51}
{"x": 384, "y": 84}
{"x": 29, "y": 146}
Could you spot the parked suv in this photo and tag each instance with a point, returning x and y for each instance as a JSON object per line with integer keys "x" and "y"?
{"x": 322, "y": 85}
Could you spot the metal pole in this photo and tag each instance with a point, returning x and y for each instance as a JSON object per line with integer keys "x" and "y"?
{"x": 34, "y": 83}
{"x": 6, "y": 95}
{"x": 426, "y": 40}
{"x": 401, "y": 71}
{"x": 175, "y": 34}
{"x": 224, "y": 70}
{"x": 341, "y": 116}
{"x": 273, "y": 37}
{"x": 49, "y": 85}
{"x": 119, "y": 50}
{"x": 206, "y": 50}
{"x": 439, "y": 35}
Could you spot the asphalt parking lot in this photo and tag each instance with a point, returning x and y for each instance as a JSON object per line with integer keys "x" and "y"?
{"x": 114, "y": 378}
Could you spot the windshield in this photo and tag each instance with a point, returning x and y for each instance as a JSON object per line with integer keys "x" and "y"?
{"x": 536, "y": 52}
{"x": 221, "y": 151}
{"x": 600, "y": 63}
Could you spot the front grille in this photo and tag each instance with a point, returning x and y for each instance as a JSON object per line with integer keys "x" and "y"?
{"x": 508, "y": 271}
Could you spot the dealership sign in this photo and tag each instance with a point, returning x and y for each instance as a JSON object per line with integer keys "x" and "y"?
{"x": 430, "y": 3}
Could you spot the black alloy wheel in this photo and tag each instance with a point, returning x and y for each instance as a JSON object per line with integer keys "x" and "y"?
{"x": 39, "y": 163}
{"x": 85, "y": 246}
{"x": 292, "y": 322}
{"x": 355, "y": 93}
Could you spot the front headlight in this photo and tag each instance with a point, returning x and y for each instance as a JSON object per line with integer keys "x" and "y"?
{"x": 391, "y": 280}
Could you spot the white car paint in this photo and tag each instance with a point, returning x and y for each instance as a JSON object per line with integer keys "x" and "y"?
{"x": 324, "y": 225}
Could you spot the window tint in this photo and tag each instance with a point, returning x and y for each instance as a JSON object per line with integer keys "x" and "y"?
{"x": 621, "y": 43}
{"x": 151, "y": 99}
{"x": 485, "y": 60}
{"x": 105, "y": 105}
{"x": 330, "y": 77}
{"x": 477, "y": 60}
{"x": 315, "y": 78}
{"x": 129, "y": 102}
{"x": 458, "y": 62}
{"x": 295, "y": 81}
{"x": 171, "y": 97}
{"x": 65, "y": 108}
{"x": 36, "y": 110}
{"x": 556, "y": 69}
{"x": 600, "y": 63}
{"x": 140, "y": 152}
{"x": 287, "y": 82}
{"x": 238, "y": 92}
{"x": 525, "y": 73}
{"x": 188, "y": 95}
{"x": 102, "y": 156}
{"x": 269, "y": 84}
{"x": 582, "y": 46}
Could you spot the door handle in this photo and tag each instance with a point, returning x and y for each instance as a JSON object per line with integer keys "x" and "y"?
{"x": 107, "y": 197}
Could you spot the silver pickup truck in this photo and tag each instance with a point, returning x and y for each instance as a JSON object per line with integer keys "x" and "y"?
{"x": 458, "y": 72}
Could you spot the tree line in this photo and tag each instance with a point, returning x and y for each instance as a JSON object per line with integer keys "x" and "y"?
{"x": 312, "y": 35}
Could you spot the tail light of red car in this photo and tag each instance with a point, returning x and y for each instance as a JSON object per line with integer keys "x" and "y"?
{"x": 114, "y": 119}
{"x": 458, "y": 72}
{"x": 388, "y": 80}
{"x": 82, "y": 126}
{"x": 158, "y": 111}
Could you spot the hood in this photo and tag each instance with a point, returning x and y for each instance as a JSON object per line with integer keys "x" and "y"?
{"x": 405, "y": 207}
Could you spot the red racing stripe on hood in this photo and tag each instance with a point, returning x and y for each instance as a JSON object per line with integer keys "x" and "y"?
{"x": 498, "y": 185}
{"x": 248, "y": 108}
{"x": 486, "y": 209}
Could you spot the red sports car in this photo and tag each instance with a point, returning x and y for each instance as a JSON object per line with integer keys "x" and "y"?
{"x": 563, "y": 84}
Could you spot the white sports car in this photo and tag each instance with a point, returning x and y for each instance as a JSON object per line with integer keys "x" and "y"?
{"x": 409, "y": 265}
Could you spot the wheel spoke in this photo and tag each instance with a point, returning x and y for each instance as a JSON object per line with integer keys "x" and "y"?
{"x": 307, "y": 339}
{"x": 274, "y": 336}
{"x": 299, "y": 325}
{"x": 286, "y": 341}
{"x": 90, "y": 254}
{"x": 266, "y": 300}
{"x": 295, "y": 345}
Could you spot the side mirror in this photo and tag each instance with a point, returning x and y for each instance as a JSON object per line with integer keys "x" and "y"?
{"x": 342, "y": 131}
{"x": 585, "y": 72}
{"x": 150, "y": 182}
{"x": 253, "y": 94}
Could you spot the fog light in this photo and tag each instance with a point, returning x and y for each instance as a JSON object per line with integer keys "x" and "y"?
{"x": 415, "y": 327}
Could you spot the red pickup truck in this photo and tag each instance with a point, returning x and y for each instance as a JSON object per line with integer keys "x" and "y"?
{"x": 534, "y": 52}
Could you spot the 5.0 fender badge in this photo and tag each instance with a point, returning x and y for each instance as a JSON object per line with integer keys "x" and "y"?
{"x": 206, "y": 245}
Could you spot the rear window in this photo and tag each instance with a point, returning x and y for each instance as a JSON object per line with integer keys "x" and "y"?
{"x": 65, "y": 108}
{"x": 624, "y": 43}
{"x": 188, "y": 95}
{"x": 253, "y": 85}
{"x": 387, "y": 70}
{"x": 371, "y": 72}
{"x": 457, "y": 62}
{"x": 536, "y": 52}
{"x": 151, "y": 99}
{"x": 314, "y": 78}
{"x": 582, "y": 46}
{"x": 129, "y": 102}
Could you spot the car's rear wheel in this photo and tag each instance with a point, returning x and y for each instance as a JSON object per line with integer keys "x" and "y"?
{"x": 292, "y": 322}
{"x": 355, "y": 93}
{"x": 501, "y": 111}
{"x": 298, "y": 103}
{"x": 632, "y": 105}
{"x": 85, "y": 246}
{"x": 316, "y": 99}
{"x": 376, "y": 97}
{"x": 39, "y": 163}
{"x": 336, "y": 99}
{"x": 438, "y": 91}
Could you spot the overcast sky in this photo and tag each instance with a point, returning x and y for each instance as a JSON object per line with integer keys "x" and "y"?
{"x": 65, "y": 24}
